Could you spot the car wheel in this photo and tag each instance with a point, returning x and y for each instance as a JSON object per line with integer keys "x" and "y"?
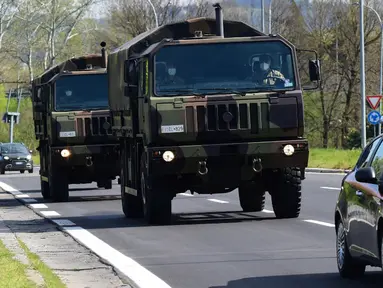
{"x": 347, "y": 266}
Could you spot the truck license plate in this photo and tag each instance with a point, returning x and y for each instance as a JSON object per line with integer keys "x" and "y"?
{"x": 172, "y": 129}
{"x": 19, "y": 163}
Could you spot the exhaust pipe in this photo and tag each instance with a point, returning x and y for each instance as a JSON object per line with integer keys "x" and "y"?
{"x": 219, "y": 20}
{"x": 257, "y": 165}
{"x": 103, "y": 55}
{"x": 202, "y": 168}
{"x": 88, "y": 161}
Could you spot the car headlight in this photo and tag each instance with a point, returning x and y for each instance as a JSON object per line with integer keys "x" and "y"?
{"x": 6, "y": 157}
{"x": 29, "y": 157}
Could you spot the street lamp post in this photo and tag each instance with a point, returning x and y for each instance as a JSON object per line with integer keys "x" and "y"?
{"x": 154, "y": 11}
{"x": 381, "y": 61}
{"x": 271, "y": 2}
{"x": 263, "y": 15}
{"x": 362, "y": 74}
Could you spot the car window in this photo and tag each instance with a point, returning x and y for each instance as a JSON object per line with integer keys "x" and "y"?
{"x": 377, "y": 162}
{"x": 367, "y": 154}
{"x": 14, "y": 148}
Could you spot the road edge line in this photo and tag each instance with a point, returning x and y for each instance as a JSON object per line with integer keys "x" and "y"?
{"x": 106, "y": 254}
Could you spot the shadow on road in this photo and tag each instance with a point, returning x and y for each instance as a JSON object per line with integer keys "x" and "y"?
{"x": 328, "y": 280}
{"x": 107, "y": 221}
{"x": 36, "y": 194}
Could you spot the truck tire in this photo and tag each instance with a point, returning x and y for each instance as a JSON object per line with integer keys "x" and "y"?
{"x": 131, "y": 205}
{"x": 58, "y": 186}
{"x": 45, "y": 189}
{"x": 251, "y": 197}
{"x": 108, "y": 184}
{"x": 286, "y": 193}
{"x": 157, "y": 203}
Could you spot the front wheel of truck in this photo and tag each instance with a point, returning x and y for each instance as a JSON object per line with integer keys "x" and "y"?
{"x": 285, "y": 190}
{"x": 45, "y": 189}
{"x": 58, "y": 186}
{"x": 157, "y": 203}
{"x": 131, "y": 204}
{"x": 251, "y": 196}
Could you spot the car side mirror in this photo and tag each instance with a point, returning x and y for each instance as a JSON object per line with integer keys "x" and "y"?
{"x": 314, "y": 70}
{"x": 366, "y": 175}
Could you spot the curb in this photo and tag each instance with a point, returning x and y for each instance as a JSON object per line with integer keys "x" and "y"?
{"x": 327, "y": 170}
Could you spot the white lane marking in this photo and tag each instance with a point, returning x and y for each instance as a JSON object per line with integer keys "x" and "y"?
{"x": 267, "y": 211}
{"x": 8, "y": 188}
{"x": 28, "y": 200}
{"x": 137, "y": 274}
{"x": 218, "y": 201}
{"x": 330, "y": 188}
{"x": 22, "y": 196}
{"x": 39, "y": 206}
{"x": 320, "y": 223}
{"x": 49, "y": 213}
{"x": 186, "y": 194}
{"x": 327, "y": 173}
{"x": 63, "y": 222}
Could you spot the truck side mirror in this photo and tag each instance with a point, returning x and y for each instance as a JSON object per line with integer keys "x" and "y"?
{"x": 130, "y": 73}
{"x": 314, "y": 70}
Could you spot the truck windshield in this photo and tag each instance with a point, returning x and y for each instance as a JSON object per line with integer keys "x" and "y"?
{"x": 82, "y": 92}
{"x": 223, "y": 68}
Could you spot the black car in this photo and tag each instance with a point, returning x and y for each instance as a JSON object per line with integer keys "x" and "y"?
{"x": 15, "y": 157}
{"x": 359, "y": 215}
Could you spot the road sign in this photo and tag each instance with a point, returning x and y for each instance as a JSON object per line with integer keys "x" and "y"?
{"x": 373, "y": 117}
{"x": 374, "y": 101}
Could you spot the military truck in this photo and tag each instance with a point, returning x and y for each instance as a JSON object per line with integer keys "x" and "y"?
{"x": 193, "y": 113}
{"x": 72, "y": 123}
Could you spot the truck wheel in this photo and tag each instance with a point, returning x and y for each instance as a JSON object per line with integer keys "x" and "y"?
{"x": 157, "y": 203}
{"x": 100, "y": 184}
{"x": 30, "y": 170}
{"x": 108, "y": 184}
{"x": 251, "y": 197}
{"x": 45, "y": 189}
{"x": 22, "y": 171}
{"x": 2, "y": 171}
{"x": 131, "y": 204}
{"x": 58, "y": 185}
{"x": 286, "y": 193}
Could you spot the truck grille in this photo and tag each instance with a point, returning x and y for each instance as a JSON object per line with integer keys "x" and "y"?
{"x": 253, "y": 116}
{"x": 92, "y": 126}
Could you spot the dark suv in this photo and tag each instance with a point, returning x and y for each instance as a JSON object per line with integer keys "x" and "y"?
{"x": 15, "y": 157}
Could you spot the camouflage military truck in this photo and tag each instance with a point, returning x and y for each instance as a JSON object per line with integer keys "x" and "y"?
{"x": 72, "y": 123}
{"x": 194, "y": 111}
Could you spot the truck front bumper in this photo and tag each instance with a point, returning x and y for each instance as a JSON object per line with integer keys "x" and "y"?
{"x": 229, "y": 158}
{"x": 87, "y": 156}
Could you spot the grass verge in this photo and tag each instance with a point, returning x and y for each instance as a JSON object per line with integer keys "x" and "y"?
{"x": 51, "y": 279}
{"x": 12, "y": 272}
{"x": 333, "y": 158}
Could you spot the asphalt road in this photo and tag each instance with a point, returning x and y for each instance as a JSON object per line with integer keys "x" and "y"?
{"x": 212, "y": 243}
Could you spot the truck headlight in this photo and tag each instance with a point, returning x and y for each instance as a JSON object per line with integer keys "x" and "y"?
{"x": 288, "y": 150}
{"x": 29, "y": 157}
{"x": 65, "y": 153}
{"x": 6, "y": 158}
{"x": 168, "y": 156}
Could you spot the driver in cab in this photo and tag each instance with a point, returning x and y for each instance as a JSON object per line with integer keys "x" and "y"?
{"x": 263, "y": 74}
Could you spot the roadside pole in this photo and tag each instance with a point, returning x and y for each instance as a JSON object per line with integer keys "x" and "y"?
{"x": 362, "y": 75}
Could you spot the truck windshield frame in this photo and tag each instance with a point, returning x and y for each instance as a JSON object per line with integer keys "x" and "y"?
{"x": 223, "y": 68}
{"x": 83, "y": 92}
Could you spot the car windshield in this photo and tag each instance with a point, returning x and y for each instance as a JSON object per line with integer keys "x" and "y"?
{"x": 223, "y": 68}
{"x": 82, "y": 92}
{"x": 13, "y": 148}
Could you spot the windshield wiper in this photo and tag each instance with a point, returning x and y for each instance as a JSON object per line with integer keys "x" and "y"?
{"x": 190, "y": 91}
{"x": 242, "y": 93}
